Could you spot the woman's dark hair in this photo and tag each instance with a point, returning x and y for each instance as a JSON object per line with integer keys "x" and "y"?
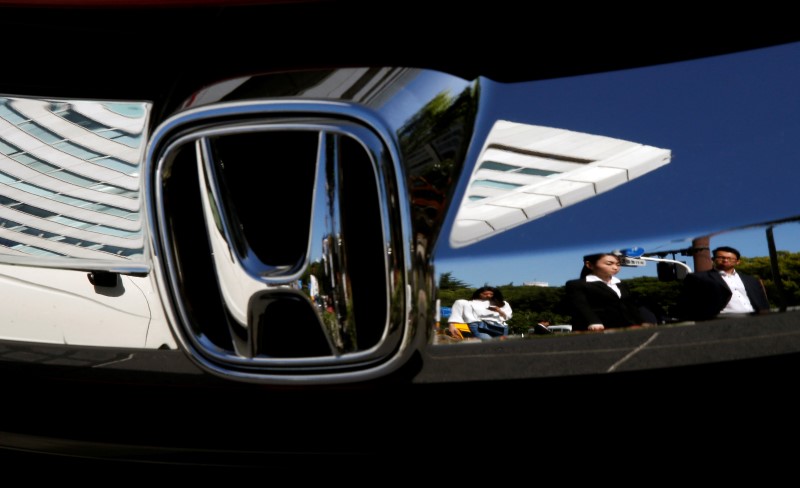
{"x": 497, "y": 297}
{"x": 727, "y": 249}
{"x": 594, "y": 258}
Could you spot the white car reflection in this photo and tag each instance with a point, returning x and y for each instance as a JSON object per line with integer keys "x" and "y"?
{"x": 62, "y": 307}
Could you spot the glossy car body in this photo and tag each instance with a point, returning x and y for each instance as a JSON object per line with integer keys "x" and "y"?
{"x": 416, "y": 111}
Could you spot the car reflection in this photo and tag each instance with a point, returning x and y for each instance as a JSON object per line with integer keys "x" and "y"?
{"x": 432, "y": 168}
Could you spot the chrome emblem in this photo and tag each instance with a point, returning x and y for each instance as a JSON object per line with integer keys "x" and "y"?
{"x": 282, "y": 243}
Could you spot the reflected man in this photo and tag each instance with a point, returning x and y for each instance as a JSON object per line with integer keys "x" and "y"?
{"x": 722, "y": 291}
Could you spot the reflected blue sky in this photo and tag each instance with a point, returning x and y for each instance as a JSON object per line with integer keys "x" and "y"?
{"x": 732, "y": 125}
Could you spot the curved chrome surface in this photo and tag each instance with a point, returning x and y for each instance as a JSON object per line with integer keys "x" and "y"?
{"x": 730, "y": 180}
{"x": 252, "y": 280}
{"x": 387, "y": 113}
{"x": 592, "y": 163}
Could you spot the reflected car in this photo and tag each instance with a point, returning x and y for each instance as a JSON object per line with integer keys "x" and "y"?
{"x": 230, "y": 247}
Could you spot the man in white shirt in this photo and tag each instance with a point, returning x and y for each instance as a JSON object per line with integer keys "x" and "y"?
{"x": 722, "y": 291}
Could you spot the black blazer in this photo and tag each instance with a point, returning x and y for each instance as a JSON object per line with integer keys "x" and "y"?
{"x": 594, "y": 302}
{"x": 705, "y": 294}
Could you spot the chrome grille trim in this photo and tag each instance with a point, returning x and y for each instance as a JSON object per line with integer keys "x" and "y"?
{"x": 329, "y": 120}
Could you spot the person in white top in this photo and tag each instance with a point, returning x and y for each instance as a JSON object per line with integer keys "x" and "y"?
{"x": 485, "y": 314}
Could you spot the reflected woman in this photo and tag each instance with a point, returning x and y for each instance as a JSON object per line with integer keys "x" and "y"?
{"x": 598, "y": 299}
{"x": 485, "y": 314}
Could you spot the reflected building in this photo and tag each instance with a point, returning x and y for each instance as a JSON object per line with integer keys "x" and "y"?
{"x": 70, "y": 199}
{"x": 69, "y": 178}
{"x": 528, "y": 171}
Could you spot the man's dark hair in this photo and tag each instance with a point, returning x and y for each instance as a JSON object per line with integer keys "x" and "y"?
{"x": 727, "y": 249}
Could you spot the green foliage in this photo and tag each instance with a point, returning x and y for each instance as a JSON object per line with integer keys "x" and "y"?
{"x": 451, "y": 295}
{"x": 658, "y": 296}
{"x": 447, "y": 282}
{"x": 532, "y": 304}
{"x": 789, "y": 270}
{"x": 529, "y": 304}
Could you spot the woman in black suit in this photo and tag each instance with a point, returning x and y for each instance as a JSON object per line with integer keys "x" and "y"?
{"x": 599, "y": 300}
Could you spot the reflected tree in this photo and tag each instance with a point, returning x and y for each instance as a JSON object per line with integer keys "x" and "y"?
{"x": 448, "y": 282}
{"x": 435, "y": 143}
{"x": 789, "y": 270}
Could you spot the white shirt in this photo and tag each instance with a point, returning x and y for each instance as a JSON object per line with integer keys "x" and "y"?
{"x": 611, "y": 284}
{"x": 469, "y": 311}
{"x": 739, "y": 302}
